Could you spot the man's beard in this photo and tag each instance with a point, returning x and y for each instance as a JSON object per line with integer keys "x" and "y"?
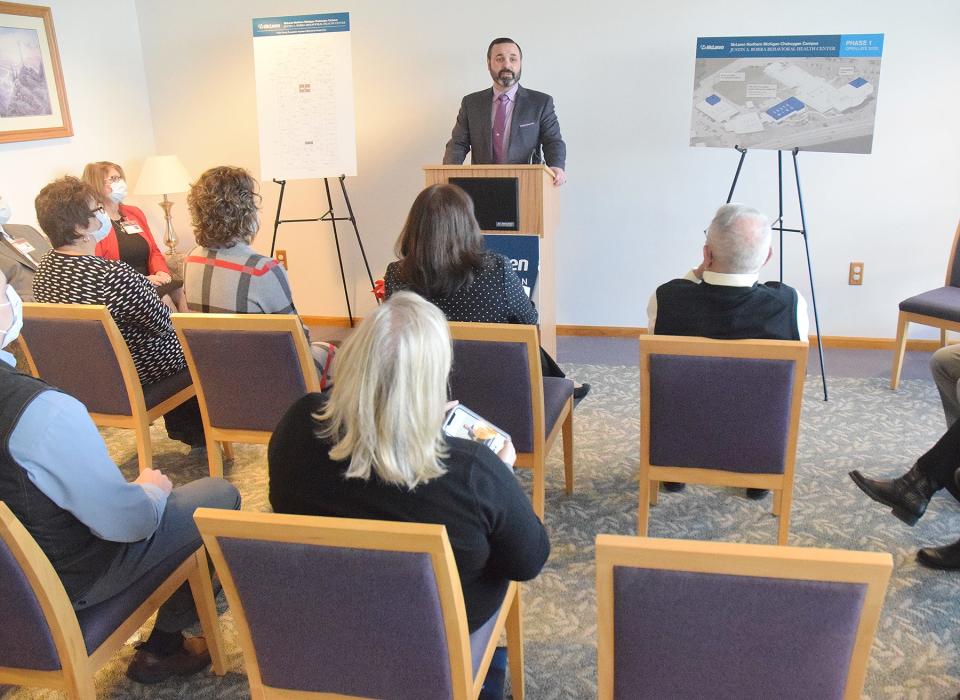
{"x": 506, "y": 78}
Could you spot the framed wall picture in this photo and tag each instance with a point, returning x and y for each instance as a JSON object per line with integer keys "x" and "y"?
{"x": 33, "y": 101}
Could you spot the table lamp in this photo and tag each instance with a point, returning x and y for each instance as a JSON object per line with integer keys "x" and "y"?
{"x": 164, "y": 175}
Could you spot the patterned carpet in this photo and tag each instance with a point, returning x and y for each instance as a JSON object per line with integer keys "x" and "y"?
{"x": 864, "y": 425}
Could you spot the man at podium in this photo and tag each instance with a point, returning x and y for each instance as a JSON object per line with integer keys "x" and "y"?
{"x": 507, "y": 123}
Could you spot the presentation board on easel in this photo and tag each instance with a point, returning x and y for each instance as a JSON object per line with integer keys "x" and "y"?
{"x": 304, "y": 78}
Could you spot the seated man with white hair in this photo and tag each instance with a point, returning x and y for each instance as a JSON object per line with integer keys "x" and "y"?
{"x": 723, "y": 298}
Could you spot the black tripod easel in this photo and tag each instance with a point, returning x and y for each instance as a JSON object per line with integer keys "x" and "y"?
{"x": 333, "y": 219}
{"x": 778, "y": 226}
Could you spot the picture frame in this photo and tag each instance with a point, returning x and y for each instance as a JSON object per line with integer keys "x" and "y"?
{"x": 33, "y": 99}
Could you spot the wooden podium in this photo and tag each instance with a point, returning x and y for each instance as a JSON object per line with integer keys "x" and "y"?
{"x": 538, "y": 210}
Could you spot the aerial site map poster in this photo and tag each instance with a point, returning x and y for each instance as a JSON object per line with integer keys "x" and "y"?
{"x": 817, "y": 93}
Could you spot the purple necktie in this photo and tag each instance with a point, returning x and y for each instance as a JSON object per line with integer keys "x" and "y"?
{"x": 499, "y": 127}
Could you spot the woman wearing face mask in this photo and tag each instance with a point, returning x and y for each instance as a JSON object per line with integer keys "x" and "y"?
{"x": 74, "y": 221}
{"x": 130, "y": 238}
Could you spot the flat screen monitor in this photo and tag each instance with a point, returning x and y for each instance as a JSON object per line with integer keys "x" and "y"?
{"x": 495, "y": 201}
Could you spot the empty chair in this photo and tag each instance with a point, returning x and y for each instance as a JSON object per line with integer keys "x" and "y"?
{"x": 78, "y": 349}
{"x": 44, "y": 642}
{"x": 938, "y": 307}
{"x": 248, "y": 369}
{"x": 496, "y": 372}
{"x": 685, "y": 619}
{"x": 720, "y": 412}
{"x": 356, "y": 608}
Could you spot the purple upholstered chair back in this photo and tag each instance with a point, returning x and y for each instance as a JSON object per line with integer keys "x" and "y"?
{"x": 688, "y": 635}
{"x": 493, "y": 379}
{"x": 248, "y": 379}
{"x": 25, "y": 638}
{"x": 76, "y": 357}
{"x": 720, "y": 412}
{"x": 337, "y": 620}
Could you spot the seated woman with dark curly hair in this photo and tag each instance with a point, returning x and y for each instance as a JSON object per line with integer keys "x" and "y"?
{"x": 443, "y": 258}
{"x": 72, "y": 273}
{"x": 225, "y": 275}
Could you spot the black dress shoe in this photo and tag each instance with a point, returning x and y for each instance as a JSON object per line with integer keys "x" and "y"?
{"x": 945, "y": 557}
{"x": 907, "y": 495}
{"x": 147, "y": 667}
{"x": 756, "y": 494}
{"x": 673, "y": 486}
{"x": 580, "y": 393}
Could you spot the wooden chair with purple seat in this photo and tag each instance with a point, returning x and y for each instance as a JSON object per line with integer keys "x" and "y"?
{"x": 338, "y": 607}
{"x": 496, "y": 372}
{"x": 938, "y": 307}
{"x": 248, "y": 369}
{"x": 78, "y": 349}
{"x": 690, "y": 619}
{"x": 722, "y": 413}
{"x": 45, "y": 643}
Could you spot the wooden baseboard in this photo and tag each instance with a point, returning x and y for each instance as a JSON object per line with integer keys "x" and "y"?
{"x": 829, "y": 341}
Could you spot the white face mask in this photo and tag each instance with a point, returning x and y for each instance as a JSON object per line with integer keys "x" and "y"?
{"x": 118, "y": 191}
{"x": 4, "y": 211}
{"x": 105, "y": 227}
{"x": 16, "y": 309}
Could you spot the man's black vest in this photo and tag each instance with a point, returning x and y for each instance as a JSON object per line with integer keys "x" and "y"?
{"x": 766, "y": 310}
{"x": 77, "y": 555}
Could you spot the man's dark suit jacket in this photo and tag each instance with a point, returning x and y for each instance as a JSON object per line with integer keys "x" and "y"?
{"x": 16, "y": 267}
{"x": 533, "y": 125}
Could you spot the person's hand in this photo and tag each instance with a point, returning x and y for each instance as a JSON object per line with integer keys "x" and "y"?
{"x": 154, "y": 280}
{"x": 164, "y": 277}
{"x": 155, "y": 477}
{"x": 450, "y": 406}
{"x": 507, "y": 454}
{"x": 559, "y": 177}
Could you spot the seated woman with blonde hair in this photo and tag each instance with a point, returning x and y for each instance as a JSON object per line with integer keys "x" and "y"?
{"x": 130, "y": 238}
{"x": 373, "y": 447}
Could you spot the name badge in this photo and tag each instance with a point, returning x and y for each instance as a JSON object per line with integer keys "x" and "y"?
{"x": 131, "y": 226}
{"x": 22, "y": 245}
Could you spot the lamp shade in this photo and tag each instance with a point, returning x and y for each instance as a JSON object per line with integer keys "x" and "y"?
{"x": 162, "y": 175}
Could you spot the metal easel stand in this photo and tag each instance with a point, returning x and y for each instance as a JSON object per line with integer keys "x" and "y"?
{"x": 778, "y": 226}
{"x": 330, "y": 216}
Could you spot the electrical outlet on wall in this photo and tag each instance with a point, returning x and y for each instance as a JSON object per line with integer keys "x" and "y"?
{"x": 281, "y": 257}
{"x": 856, "y": 273}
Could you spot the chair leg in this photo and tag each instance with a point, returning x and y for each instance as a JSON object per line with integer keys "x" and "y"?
{"x": 539, "y": 487}
{"x": 643, "y": 516}
{"x": 783, "y": 530}
{"x": 777, "y": 496}
{"x": 80, "y": 686}
{"x": 899, "y": 348}
{"x": 943, "y": 337}
{"x": 514, "y": 629}
{"x": 214, "y": 460}
{"x": 654, "y": 492}
{"x": 144, "y": 448}
{"x": 203, "y": 598}
{"x": 567, "y": 432}
{"x": 227, "y": 450}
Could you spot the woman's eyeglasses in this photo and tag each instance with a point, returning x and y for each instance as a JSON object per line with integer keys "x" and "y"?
{"x": 112, "y": 179}
{"x": 93, "y": 212}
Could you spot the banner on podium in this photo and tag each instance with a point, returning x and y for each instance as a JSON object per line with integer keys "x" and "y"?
{"x": 523, "y": 252}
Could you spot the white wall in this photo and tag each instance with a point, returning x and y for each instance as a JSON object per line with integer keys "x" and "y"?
{"x": 107, "y": 94}
{"x": 621, "y": 73}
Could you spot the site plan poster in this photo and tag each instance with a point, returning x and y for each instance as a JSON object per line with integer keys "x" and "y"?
{"x": 305, "y": 96}
{"x": 816, "y": 93}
